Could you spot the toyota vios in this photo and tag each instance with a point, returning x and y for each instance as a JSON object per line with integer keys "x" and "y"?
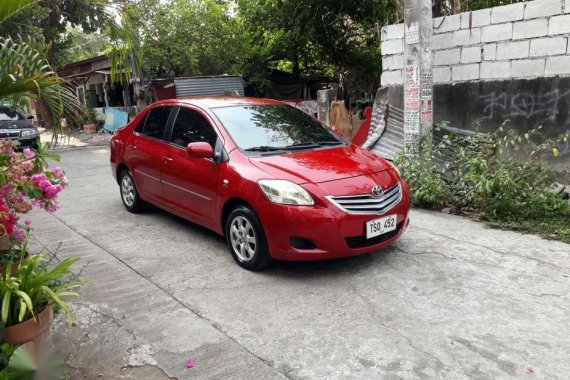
{"x": 274, "y": 181}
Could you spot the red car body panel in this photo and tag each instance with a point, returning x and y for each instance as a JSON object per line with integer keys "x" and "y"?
{"x": 198, "y": 189}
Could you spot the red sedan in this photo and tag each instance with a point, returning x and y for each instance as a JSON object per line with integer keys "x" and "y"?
{"x": 273, "y": 180}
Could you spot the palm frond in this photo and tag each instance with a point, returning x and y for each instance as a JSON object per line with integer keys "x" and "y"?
{"x": 26, "y": 75}
{"x": 10, "y": 7}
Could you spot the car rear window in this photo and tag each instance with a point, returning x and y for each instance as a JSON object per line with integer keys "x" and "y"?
{"x": 7, "y": 114}
{"x": 155, "y": 123}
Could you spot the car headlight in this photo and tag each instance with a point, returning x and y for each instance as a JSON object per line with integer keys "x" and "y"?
{"x": 29, "y": 132}
{"x": 285, "y": 192}
{"x": 394, "y": 167}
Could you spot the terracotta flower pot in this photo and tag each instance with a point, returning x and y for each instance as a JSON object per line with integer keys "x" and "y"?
{"x": 35, "y": 330}
{"x": 4, "y": 243}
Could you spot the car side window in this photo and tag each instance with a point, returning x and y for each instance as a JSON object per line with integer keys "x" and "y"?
{"x": 155, "y": 122}
{"x": 191, "y": 127}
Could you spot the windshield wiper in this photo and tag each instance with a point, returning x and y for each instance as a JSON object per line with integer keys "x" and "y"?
{"x": 301, "y": 146}
{"x": 263, "y": 148}
{"x": 329, "y": 142}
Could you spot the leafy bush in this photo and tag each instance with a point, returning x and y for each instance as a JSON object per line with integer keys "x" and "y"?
{"x": 426, "y": 183}
{"x": 498, "y": 177}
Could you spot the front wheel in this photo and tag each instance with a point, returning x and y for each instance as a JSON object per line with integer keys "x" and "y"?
{"x": 129, "y": 194}
{"x": 246, "y": 239}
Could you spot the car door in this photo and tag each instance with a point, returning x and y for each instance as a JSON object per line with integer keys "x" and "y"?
{"x": 147, "y": 152}
{"x": 189, "y": 183}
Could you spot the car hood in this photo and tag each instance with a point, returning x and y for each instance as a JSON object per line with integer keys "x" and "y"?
{"x": 15, "y": 124}
{"x": 321, "y": 165}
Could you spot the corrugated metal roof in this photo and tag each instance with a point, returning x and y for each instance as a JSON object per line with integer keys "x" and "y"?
{"x": 209, "y": 86}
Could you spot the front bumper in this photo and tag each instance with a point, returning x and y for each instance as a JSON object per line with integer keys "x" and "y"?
{"x": 334, "y": 232}
{"x": 28, "y": 142}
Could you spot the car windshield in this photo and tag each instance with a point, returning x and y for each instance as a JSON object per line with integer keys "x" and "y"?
{"x": 7, "y": 114}
{"x": 270, "y": 128}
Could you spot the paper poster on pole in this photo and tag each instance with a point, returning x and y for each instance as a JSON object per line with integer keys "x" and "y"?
{"x": 412, "y": 32}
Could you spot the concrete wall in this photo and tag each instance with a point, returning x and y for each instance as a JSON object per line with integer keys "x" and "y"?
{"x": 516, "y": 41}
{"x": 492, "y": 65}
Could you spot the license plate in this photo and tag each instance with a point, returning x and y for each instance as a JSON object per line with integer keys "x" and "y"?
{"x": 377, "y": 227}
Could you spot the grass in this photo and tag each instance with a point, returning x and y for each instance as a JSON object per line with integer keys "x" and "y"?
{"x": 552, "y": 228}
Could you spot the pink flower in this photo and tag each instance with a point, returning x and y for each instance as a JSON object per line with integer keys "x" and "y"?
{"x": 28, "y": 153}
{"x": 19, "y": 235}
{"x": 27, "y": 223}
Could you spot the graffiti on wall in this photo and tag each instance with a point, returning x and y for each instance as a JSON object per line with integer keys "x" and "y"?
{"x": 541, "y": 107}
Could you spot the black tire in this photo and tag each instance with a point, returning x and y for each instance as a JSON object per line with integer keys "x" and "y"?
{"x": 260, "y": 257}
{"x": 132, "y": 201}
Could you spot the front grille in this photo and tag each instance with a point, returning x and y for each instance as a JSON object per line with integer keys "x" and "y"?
{"x": 368, "y": 204}
{"x": 362, "y": 241}
{"x": 9, "y": 134}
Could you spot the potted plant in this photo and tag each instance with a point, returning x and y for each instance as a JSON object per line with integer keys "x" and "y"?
{"x": 90, "y": 118}
{"x": 29, "y": 296}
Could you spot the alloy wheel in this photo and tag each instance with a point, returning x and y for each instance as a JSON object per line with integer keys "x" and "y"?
{"x": 242, "y": 238}
{"x": 128, "y": 191}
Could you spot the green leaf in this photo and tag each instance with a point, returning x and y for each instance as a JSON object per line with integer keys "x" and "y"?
{"x": 20, "y": 360}
{"x": 6, "y": 306}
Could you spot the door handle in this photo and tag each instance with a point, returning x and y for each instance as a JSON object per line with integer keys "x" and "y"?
{"x": 167, "y": 159}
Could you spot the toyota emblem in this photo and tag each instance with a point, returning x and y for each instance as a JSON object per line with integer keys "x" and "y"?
{"x": 377, "y": 191}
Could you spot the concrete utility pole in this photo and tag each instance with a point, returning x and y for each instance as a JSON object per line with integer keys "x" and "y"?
{"x": 324, "y": 99}
{"x": 418, "y": 82}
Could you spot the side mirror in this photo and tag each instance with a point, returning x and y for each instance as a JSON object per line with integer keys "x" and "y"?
{"x": 200, "y": 150}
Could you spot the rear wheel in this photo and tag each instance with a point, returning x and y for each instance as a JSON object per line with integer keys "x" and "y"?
{"x": 129, "y": 194}
{"x": 246, "y": 239}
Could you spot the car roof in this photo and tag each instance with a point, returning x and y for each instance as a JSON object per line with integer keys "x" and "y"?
{"x": 226, "y": 101}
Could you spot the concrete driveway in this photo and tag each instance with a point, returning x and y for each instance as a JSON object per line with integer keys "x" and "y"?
{"x": 451, "y": 299}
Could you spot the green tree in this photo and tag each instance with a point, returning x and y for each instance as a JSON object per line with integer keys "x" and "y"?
{"x": 188, "y": 37}
{"x": 49, "y": 19}
{"x": 338, "y": 39}
{"x": 83, "y": 45}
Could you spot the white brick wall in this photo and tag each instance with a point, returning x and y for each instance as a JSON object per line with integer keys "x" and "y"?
{"x": 466, "y": 37}
{"x": 512, "y": 50}
{"x": 391, "y": 32}
{"x": 463, "y": 73}
{"x": 471, "y": 54}
{"x": 393, "y": 62}
{"x": 441, "y": 74}
{"x": 528, "y": 68}
{"x": 490, "y": 52}
{"x": 559, "y": 24}
{"x": 446, "y": 57}
{"x": 392, "y": 47}
{"x": 512, "y": 12}
{"x": 530, "y": 29}
{"x": 558, "y": 65}
{"x": 497, "y": 32}
{"x": 542, "y": 47}
{"x": 522, "y": 40}
{"x": 390, "y": 78}
{"x": 442, "y": 41}
{"x": 495, "y": 70}
{"x": 446, "y": 24}
{"x": 481, "y": 17}
{"x": 542, "y": 8}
